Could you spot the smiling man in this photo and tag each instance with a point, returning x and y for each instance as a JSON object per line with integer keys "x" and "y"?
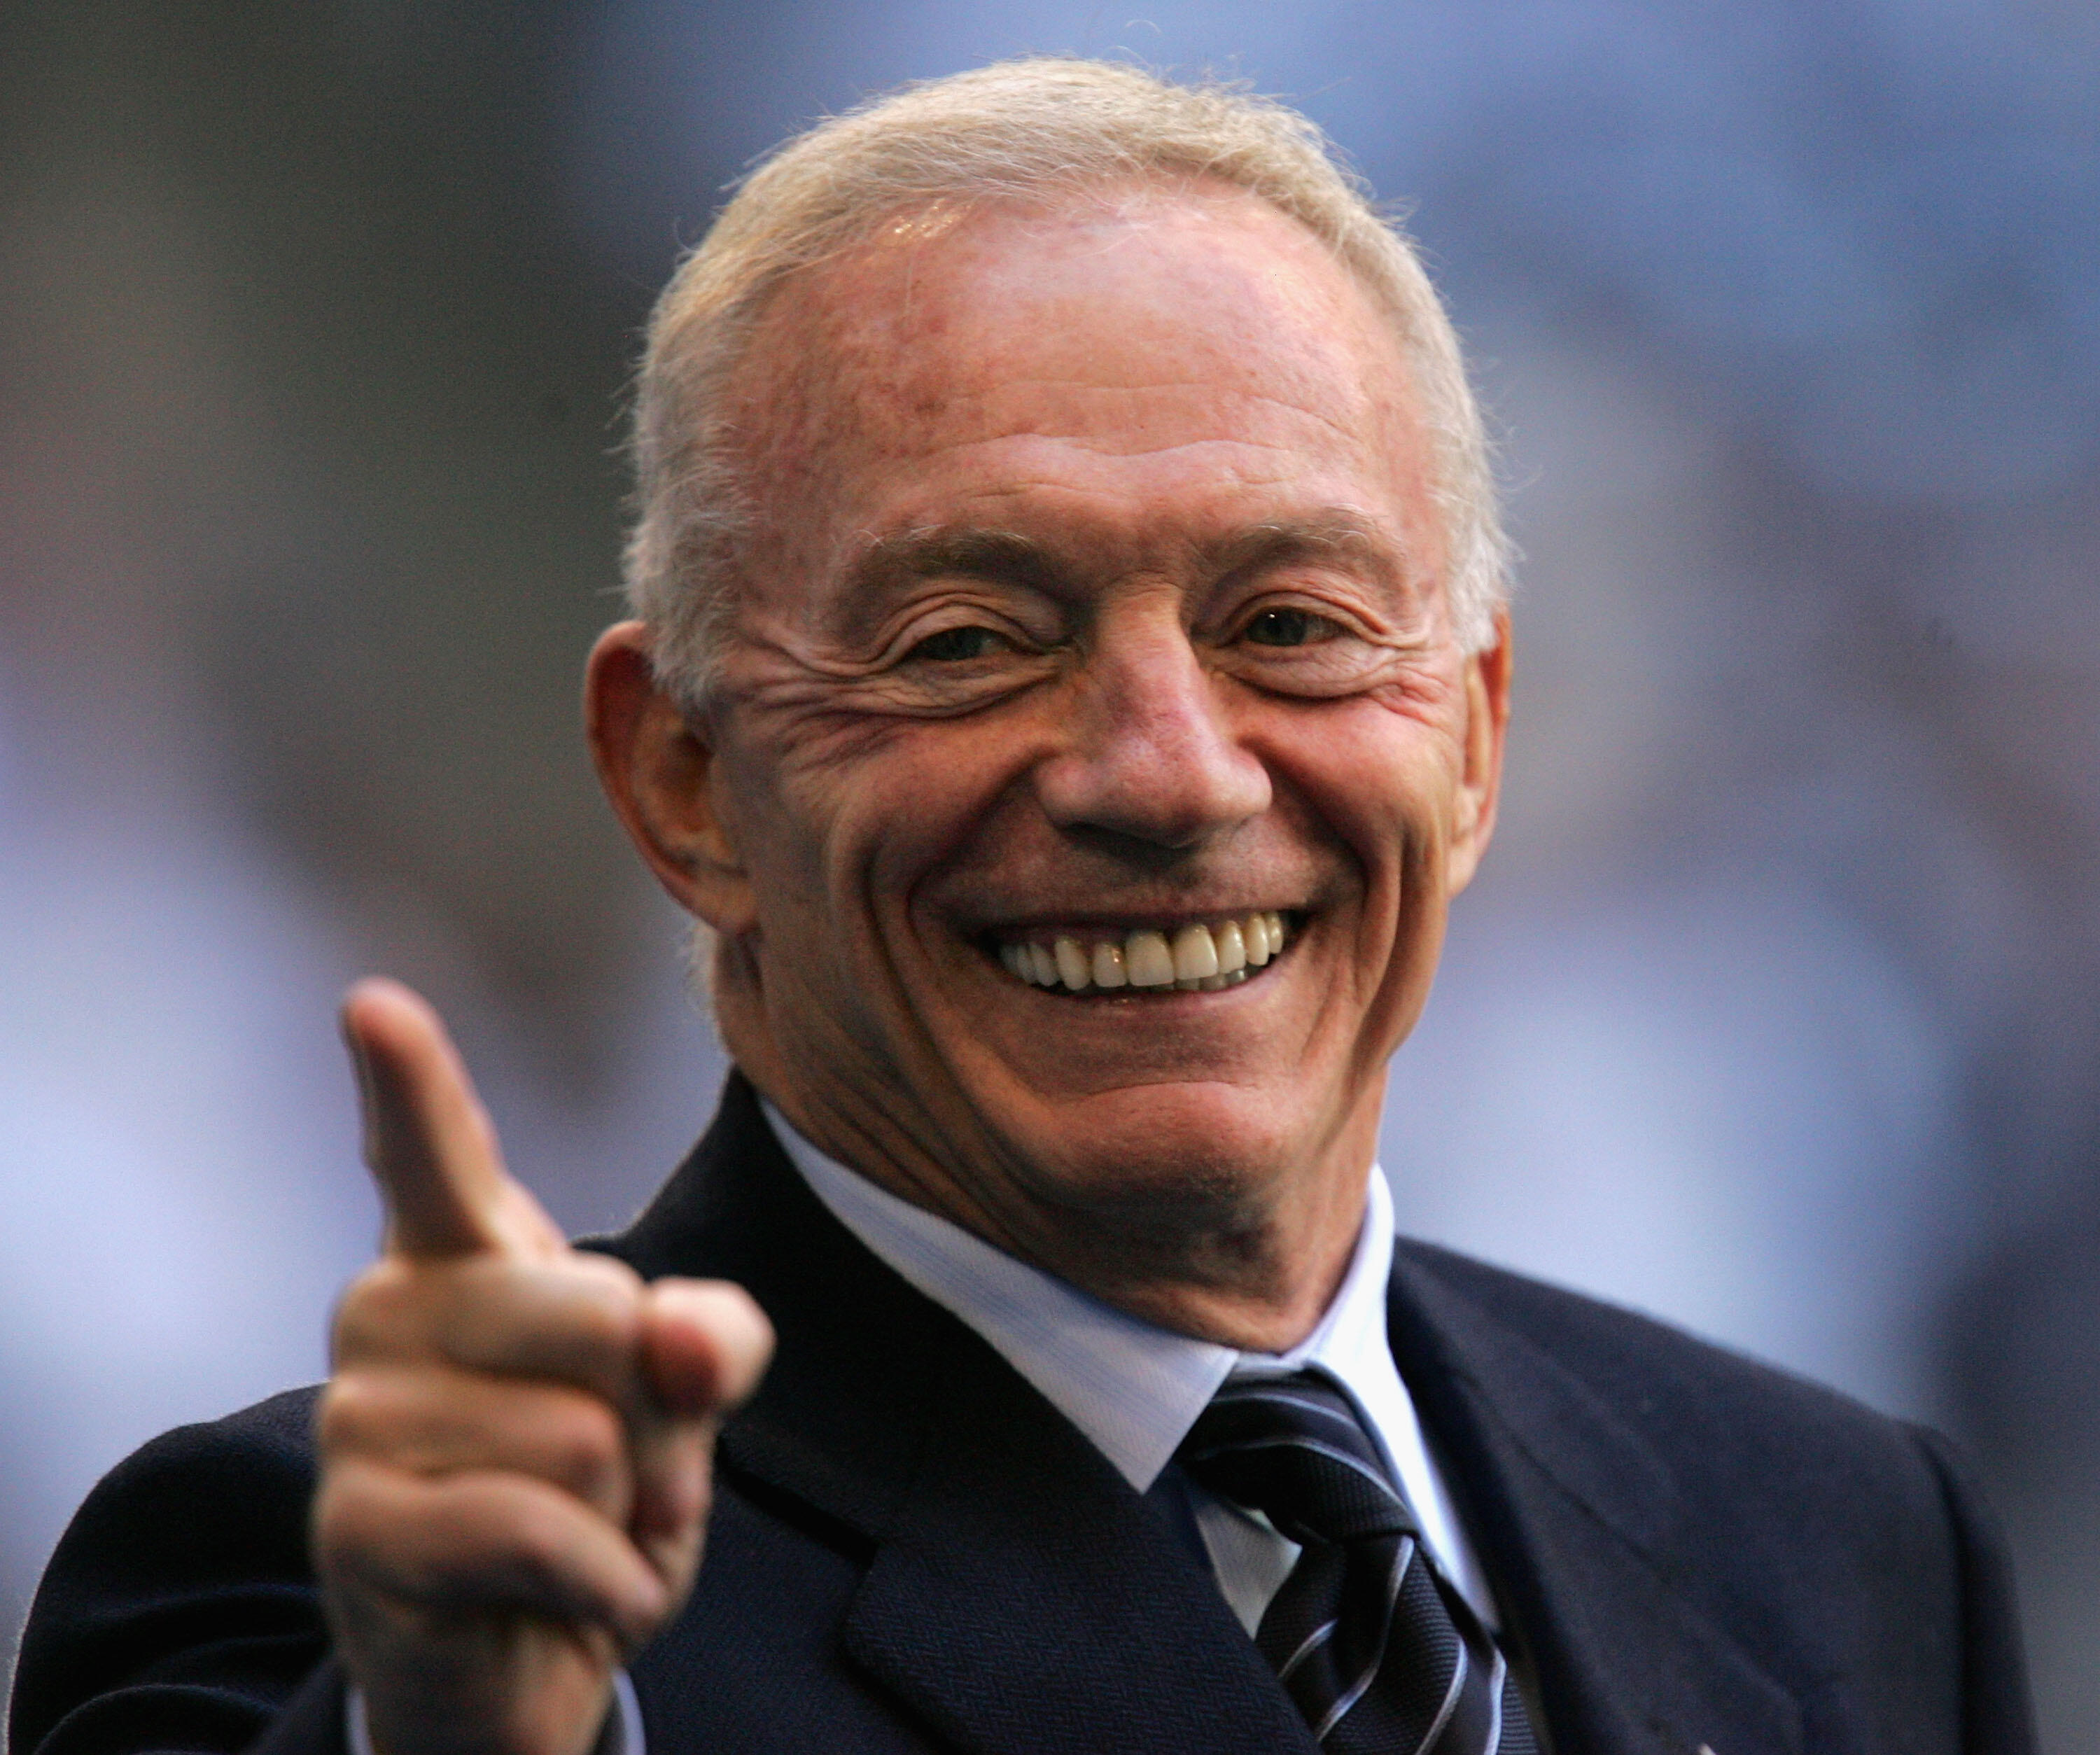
{"x": 1069, "y": 683}
{"x": 1079, "y": 785}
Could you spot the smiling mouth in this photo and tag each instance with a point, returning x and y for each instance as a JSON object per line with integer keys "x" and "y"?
{"x": 1202, "y": 956}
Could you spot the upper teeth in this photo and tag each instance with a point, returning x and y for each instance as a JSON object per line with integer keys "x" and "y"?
{"x": 1196, "y": 956}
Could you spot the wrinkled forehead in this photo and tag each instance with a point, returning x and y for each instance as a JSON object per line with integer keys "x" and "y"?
{"x": 1146, "y": 333}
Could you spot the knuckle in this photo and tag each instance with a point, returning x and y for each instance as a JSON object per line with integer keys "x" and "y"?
{"x": 605, "y": 1315}
{"x": 536, "y": 1539}
{"x": 604, "y": 1330}
{"x": 383, "y": 1414}
{"x": 376, "y": 1311}
{"x": 589, "y": 1443}
{"x": 562, "y": 1321}
{"x": 343, "y": 1524}
{"x": 345, "y": 1414}
{"x": 610, "y": 1270}
{"x": 613, "y": 1284}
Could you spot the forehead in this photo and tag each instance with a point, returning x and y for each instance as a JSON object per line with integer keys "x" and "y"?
{"x": 1148, "y": 364}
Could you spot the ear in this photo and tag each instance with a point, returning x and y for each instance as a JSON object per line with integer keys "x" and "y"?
{"x": 1487, "y": 684}
{"x": 658, "y": 768}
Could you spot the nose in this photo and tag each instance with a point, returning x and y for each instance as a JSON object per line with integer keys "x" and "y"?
{"x": 1145, "y": 753}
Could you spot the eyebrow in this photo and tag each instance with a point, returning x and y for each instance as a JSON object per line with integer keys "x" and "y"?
{"x": 1002, "y": 556}
{"x": 1335, "y": 530}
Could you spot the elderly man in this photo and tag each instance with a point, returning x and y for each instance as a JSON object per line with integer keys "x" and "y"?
{"x": 1069, "y": 683}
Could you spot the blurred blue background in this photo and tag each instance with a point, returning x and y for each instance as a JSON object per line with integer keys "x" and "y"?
{"x": 1777, "y": 1011}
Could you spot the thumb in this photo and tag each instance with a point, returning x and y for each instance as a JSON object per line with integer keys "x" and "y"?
{"x": 705, "y": 1345}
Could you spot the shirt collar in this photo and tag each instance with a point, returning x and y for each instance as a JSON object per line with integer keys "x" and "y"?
{"x": 1133, "y": 1388}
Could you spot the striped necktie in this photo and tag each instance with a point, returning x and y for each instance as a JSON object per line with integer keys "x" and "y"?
{"x": 1381, "y": 1656}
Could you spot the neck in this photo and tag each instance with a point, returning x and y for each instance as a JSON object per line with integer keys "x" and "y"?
{"x": 1261, "y": 1287}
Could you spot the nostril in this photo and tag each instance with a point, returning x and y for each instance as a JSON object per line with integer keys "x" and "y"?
{"x": 1152, "y": 763}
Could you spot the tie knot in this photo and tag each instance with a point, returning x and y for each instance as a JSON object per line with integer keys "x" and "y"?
{"x": 1293, "y": 1448}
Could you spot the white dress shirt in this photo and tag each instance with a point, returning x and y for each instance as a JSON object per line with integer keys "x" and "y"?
{"x": 1136, "y": 1389}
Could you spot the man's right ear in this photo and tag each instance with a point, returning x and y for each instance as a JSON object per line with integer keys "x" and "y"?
{"x": 659, "y": 770}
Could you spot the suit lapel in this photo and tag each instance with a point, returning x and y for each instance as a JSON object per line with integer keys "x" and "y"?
{"x": 1027, "y": 1599}
{"x": 998, "y": 1601}
{"x": 1575, "y": 1516}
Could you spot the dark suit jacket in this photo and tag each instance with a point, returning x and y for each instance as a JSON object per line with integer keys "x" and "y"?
{"x": 911, "y": 1550}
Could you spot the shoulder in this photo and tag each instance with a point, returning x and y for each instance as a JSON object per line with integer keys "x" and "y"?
{"x": 1835, "y": 1539}
{"x": 220, "y": 1499}
{"x": 1662, "y": 1380}
{"x": 1701, "y": 1458}
{"x": 182, "y": 1593}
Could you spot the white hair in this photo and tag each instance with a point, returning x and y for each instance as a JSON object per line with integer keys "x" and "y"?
{"x": 1026, "y": 129}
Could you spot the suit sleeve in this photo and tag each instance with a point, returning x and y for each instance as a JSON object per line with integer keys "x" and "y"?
{"x": 179, "y": 1613}
{"x": 1997, "y": 1716}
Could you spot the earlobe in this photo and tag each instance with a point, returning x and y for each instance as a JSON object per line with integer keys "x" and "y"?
{"x": 658, "y": 770}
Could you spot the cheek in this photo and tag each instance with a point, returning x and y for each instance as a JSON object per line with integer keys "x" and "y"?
{"x": 865, "y": 812}
{"x": 1382, "y": 784}
{"x": 779, "y": 833}
{"x": 1383, "y": 778}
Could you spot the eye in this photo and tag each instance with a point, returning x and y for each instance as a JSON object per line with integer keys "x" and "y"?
{"x": 953, "y": 645}
{"x": 1291, "y": 627}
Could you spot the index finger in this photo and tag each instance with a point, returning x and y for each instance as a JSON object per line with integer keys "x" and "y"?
{"x": 427, "y": 1139}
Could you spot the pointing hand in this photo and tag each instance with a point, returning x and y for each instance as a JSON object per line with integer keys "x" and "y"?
{"x": 516, "y": 1440}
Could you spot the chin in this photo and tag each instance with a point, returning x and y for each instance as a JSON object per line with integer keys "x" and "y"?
{"x": 1208, "y": 1154}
